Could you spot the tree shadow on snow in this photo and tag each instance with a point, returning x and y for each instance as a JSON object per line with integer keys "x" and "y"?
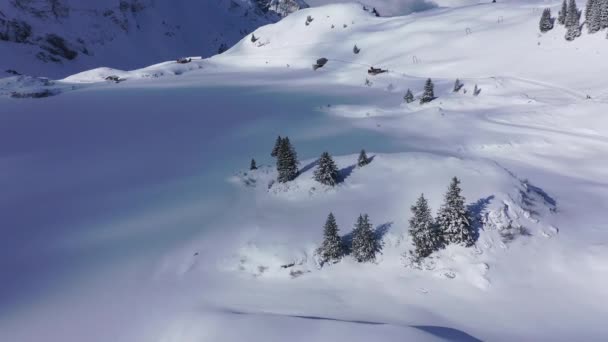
{"x": 476, "y": 210}
{"x": 347, "y": 171}
{"x": 309, "y": 166}
{"x": 449, "y": 334}
{"x": 379, "y": 234}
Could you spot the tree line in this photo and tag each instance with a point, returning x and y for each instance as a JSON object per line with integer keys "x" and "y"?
{"x": 596, "y": 18}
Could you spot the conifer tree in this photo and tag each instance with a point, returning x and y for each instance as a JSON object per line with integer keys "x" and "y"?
{"x": 327, "y": 171}
{"x": 546, "y": 22}
{"x": 253, "y": 165}
{"x": 425, "y": 234}
{"x": 589, "y": 10}
{"x": 429, "y": 94}
{"x": 476, "y": 91}
{"x": 593, "y": 15}
{"x": 409, "y": 97}
{"x": 287, "y": 162}
{"x": 275, "y": 149}
{"x": 602, "y": 13}
{"x": 573, "y": 21}
{"x": 457, "y": 85}
{"x": 331, "y": 249}
{"x": 362, "y": 160}
{"x": 364, "y": 243}
{"x": 563, "y": 12}
{"x": 453, "y": 218}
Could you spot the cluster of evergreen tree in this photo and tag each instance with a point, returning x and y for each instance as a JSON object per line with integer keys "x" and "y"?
{"x": 427, "y": 96}
{"x": 569, "y": 15}
{"x": 596, "y": 15}
{"x": 363, "y": 244}
{"x": 287, "y": 160}
{"x": 452, "y": 225}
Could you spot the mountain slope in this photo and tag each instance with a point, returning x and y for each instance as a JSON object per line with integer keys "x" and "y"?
{"x": 131, "y": 214}
{"x": 58, "y": 37}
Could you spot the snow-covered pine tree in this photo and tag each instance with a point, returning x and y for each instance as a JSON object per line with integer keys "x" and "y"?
{"x": 253, "y": 165}
{"x": 331, "y": 249}
{"x": 602, "y": 8}
{"x": 476, "y": 91}
{"x": 425, "y": 234}
{"x": 362, "y": 160}
{"x": 364, "y": 243}
{"x": 573, "y": 21}
{"x": 356, "y": 50}
{"x": 589, "y": 9}
{"x": 453, "y": 218}
{"x": 429, "y": 93}
{"x": 287, "y": 162}
{"x": 546, "y": 22}
{"x": 275, "y": 149}
{"x": 563, "y": 12}
{"x": 457, "y": 85}
{"x": 593, "y": 15}
{"x": 409, "y": 97}
{"x": 327, "y": 171}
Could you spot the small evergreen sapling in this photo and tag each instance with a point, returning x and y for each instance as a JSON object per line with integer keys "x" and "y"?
{"x": 425, "y": 234}
{"x": 457, "y": 85}
{"x": 476, "y": 91}
{"x": 364, "y": 243}
{"x": 362, "y": 160}
{"x": 327, "y": 171}
{"x": 409, "y": 97}
{"x": 331, "y": 249}
{"x": 253, "y": 165}
{"x": 453, "y": 218}
{"x": 429, "y": 93}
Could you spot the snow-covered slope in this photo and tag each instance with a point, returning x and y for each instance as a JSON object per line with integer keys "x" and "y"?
{"x": 59, "y": 37}
{"x": 130, "y": 215}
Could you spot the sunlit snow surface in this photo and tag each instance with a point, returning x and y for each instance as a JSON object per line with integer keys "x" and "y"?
{"x": 128, "y": 212}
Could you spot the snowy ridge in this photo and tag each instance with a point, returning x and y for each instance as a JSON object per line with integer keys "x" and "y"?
{"x": 58, "y": 37}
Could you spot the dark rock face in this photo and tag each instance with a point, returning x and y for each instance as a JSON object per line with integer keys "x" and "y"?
{"x": 126, "y": 33}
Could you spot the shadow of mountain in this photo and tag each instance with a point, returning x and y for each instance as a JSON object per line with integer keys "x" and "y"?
{"x": 449, "y": 334}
